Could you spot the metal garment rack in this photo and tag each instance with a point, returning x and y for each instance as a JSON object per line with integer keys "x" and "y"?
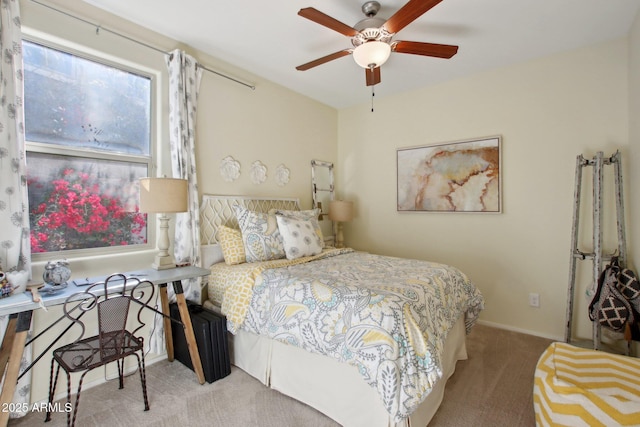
{"x": 597, "y": 256}
{"x": 322, "y": 190}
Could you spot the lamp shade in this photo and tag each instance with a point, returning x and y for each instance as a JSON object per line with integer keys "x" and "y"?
{"x": 163, "y": 195}
{"x": 340, "y": 210}
{"x": 371, "y": 53}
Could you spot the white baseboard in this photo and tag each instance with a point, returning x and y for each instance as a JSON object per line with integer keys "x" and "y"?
{"x": 519, "y": 330}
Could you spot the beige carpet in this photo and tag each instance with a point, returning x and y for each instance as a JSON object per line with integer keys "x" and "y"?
{"x": 492, "y": 388}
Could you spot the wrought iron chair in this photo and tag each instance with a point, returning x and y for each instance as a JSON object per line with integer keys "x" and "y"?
{"x": 111, "y": 299}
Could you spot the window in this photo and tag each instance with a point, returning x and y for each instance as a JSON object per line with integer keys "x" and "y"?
{"x": 88, "y": 139}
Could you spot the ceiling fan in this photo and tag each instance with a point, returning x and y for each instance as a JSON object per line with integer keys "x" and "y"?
{"x": 372, "y": 37}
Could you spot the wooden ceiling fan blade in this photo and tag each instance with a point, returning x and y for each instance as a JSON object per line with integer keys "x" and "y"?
{"x": 323, "y": 19}
{"x": 372, "y": 76}
{"x": 427, "y": 49}
{"x": 408, "y": 13}
{"x": 323, "y": 60}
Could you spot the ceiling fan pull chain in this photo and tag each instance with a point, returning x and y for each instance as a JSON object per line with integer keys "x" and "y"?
{"x": 372, "y": 95}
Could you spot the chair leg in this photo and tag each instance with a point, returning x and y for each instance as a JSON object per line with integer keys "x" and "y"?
{"x": 69, "y": 422}
{"x": 53, "y": 382}
{"x": 143, "y": 380}
{"x": 120, "y": 363}
{"x": 75, "y": 408}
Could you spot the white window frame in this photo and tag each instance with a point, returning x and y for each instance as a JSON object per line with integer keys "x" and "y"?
{"x": 151, "y": 161}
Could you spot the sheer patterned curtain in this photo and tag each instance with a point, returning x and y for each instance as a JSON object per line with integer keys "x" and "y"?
{"x": 15, "y": 250}
{"x": 184, "y": 83}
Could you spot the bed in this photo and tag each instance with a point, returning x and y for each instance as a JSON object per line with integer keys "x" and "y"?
{"x": 366, "y": 339}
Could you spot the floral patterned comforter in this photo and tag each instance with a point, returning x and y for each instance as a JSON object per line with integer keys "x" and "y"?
{"x": 387, "y": 316}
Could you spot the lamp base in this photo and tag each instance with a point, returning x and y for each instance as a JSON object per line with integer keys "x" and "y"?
{"x": 340, "y": 237}
{"x": 163, "y": 262}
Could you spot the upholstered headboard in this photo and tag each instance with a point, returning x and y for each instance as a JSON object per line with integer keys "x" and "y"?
{"x": 219, "y": 210}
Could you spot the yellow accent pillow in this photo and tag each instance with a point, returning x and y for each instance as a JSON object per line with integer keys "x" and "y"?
{"x": 232, "y": 245}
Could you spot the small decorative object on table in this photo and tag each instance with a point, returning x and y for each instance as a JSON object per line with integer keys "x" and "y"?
{"x": 5, "y": 286}
{"x": 56, "y": 274}
{"x": 18, "y": 280}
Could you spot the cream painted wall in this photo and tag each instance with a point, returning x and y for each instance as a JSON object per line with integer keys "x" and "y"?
{"x": 547, "y": 111}
{"x": 270, "y": 124}
{"x": 634, "y": 146}
{"x": 634, "y": 150}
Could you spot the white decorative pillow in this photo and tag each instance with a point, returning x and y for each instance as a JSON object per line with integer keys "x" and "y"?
{"x": 232, "y": 245}
{"x": 260, "y": 235}
{"x": 311, "y": 214}
{"x": 299, "y": 236}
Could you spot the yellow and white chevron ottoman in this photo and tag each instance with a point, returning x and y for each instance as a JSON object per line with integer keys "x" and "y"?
{"x": 580, "y": 387}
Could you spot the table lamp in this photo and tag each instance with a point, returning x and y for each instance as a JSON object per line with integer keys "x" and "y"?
{"x": 163, "y": 196}
{"x": 340, "y": 211}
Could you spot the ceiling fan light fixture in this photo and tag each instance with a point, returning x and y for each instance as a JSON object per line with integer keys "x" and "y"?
{"x": 372, "y": 53}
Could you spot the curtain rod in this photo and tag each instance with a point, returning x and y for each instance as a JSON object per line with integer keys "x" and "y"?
{"x": 101, "y": 28}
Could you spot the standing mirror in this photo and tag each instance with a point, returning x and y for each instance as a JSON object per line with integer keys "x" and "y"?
{"x": 323, "y": 193}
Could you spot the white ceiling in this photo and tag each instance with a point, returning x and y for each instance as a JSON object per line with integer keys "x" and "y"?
{"x": 269, "y": 39}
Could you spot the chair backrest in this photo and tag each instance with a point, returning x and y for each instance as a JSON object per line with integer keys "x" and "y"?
{"x": 112, "y": 321}
{"x": 113, "y": 299}
{"x": 113, "y": 313}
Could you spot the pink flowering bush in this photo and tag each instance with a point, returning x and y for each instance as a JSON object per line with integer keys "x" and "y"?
{"x": 75, "y": 214}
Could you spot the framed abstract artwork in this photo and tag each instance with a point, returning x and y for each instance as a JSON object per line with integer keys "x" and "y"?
{"x": 462, "y": 176}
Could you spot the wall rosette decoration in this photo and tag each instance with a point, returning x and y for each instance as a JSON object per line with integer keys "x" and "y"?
{"x": 282, "y": 175}
{"x": 229, "y": 169}
{"x": 258, "y": 172}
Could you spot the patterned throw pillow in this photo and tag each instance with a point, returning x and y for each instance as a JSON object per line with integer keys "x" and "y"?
{"x": 299, "y": 236}
{"x": 311, "y": 214}
{"x": 232, "y": 245}
{"x": 260, "y": 235}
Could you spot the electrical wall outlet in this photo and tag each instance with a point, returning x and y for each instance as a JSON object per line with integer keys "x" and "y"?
{"x": 534, "y": 300}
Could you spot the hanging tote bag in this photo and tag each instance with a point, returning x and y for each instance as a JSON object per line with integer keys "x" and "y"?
{"x": 609, "y": 307}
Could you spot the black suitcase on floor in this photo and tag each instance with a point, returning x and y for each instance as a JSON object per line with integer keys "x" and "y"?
{"x": 210, "y": 330}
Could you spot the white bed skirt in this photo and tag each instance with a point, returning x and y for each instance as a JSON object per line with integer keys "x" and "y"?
{"x": 333, "y": 388}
